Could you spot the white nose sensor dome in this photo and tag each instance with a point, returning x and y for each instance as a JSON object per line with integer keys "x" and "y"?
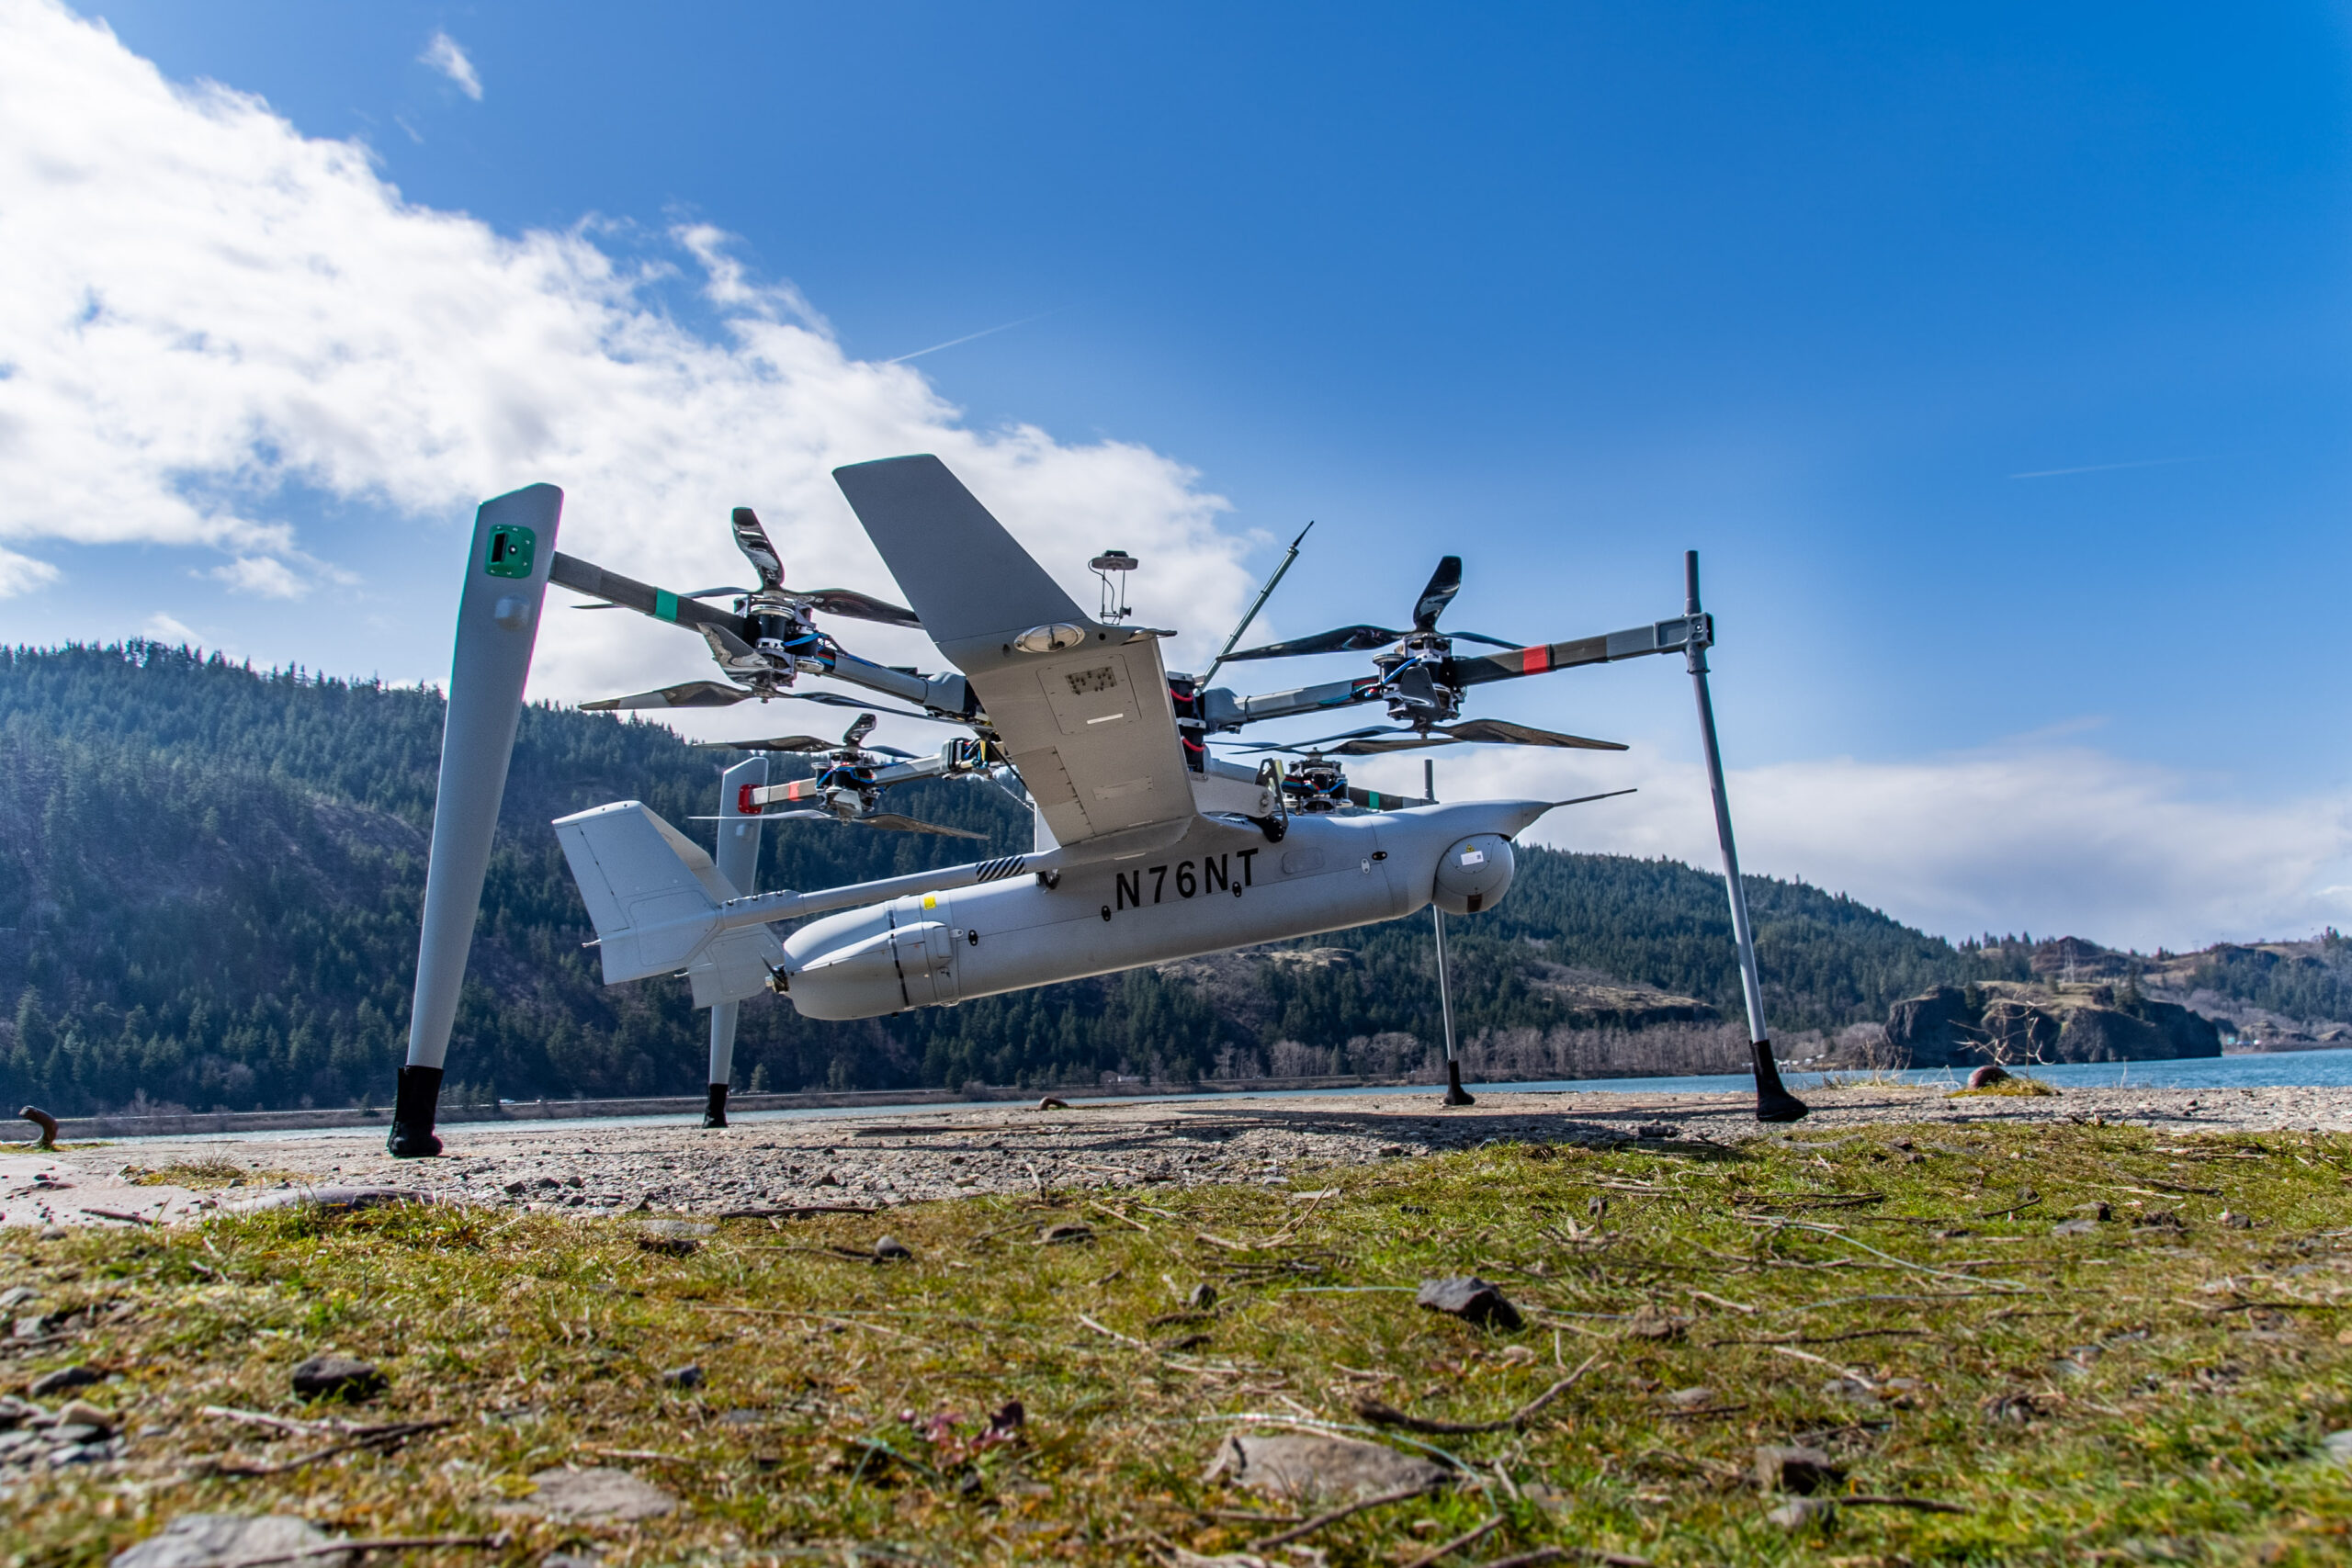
{"x": 1473, "y": 873}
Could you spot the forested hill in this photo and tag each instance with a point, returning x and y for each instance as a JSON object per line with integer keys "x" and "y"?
{"x": 210, "y": 879}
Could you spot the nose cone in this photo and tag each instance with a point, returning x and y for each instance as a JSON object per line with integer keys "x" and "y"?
{"x": 1473, "y": 873}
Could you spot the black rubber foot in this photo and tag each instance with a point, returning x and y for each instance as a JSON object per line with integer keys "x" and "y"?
{"x": 1454, "y": 1093}
{"x": 715, "y": 1113}
{"x": 1773, "y": 1102}
{"x": 413, "y": 1103}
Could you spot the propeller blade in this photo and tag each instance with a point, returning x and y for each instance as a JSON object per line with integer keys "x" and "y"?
{"x": 893, "y": 751}
{"x": 1340, "y": 639}
{"x": 1502, "y": 732}
{"x": 725, "y": 644}
{"x": 687, "y": 694}
{"x": 1402, "y": 743}
{"x": 773, "y": 743}
{"x": 1303, "y": 745}
{"x": 1481, "y": 637}
{"x": 859, "y": 606}
{"x": 860, "y": 727}
{"x": 1444, "y": 583}
{"x": 899, "y": 824}
{"x": 752, "y": 540}
{"x": 835, "y": 700}
{"x": 770, "y": 817}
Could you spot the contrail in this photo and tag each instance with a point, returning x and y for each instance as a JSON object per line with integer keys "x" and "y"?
{"x": 2101, "y": 467}
{"x": 969, "y": 337}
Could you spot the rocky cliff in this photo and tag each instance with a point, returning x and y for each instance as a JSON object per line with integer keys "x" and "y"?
{"x": 2003, "y": 1022}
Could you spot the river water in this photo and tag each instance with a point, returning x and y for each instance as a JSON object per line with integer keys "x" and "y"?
{"x": 2266, "y": 1069}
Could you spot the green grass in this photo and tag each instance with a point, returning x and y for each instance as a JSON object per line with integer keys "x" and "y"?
{"x": 1764, "y": 1272}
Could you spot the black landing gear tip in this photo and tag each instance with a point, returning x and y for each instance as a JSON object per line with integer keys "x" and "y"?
{"x": 414, "y": 1102}
{"x": 715, "y": 1113}
{"x": 1774, "y": 1103}
{"x": 1455, "y": 1094}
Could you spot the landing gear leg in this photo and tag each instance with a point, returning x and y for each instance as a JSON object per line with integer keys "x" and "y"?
{"x": 1454, "y": 1093}
{"x": 1773, "y": 1102}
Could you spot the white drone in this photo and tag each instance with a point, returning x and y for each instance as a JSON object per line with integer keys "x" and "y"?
{"x": 1147, "y": 847}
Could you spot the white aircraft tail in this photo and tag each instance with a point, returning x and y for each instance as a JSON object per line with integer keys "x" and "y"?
{"x": 654, "y": 897}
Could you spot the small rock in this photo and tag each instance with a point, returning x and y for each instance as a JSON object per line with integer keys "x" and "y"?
{"x": 1052, "y": 1102}
{"x": 890, "y": 1249}
{"x": 1470, "y": 1299}
{"x": 1800, "y": 1469}
{"x": 2073, "y": 1228}
{"x": 676, "y": 1227}
{"x": 1653, "y": 1323}
{"x": 1798, "y": 1512}
{"x": 2337, "y": 1448}
{"x": 64, "y": 1378}
{"x": 1988, "y": 1075}
{"x": 687, "y": 1376}
{"x": 1658, "y": 1129}
{"x": 2238, "y": 1222}
{"x": 597, "y": 1496}
{"x": 216, "y": 1540}
{"x": 338, "y": 1376}
{"x": 1067, "y": 1231}
{"x": 2097, "y": 1209}
{"x": 81, "y": 1413}
{"x": 828, "y": 1179}
{"x": 2159, "y": 1220}
{"x": 669, "y": 1246}
{"x": 16, "y": 1296}
{"x": 1301, "y": 1467}
{"x": 1851, "y": 1390}
{"x": 53, "y": 1232}
{"x": 1691, "y": 1398}
{"x": 1202, "y": 1298}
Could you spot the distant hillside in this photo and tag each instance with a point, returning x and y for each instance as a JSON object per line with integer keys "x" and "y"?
{"x": 210, "y": 879}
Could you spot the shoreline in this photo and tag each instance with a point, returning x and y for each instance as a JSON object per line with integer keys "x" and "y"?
{"x": 874, "y": 1158}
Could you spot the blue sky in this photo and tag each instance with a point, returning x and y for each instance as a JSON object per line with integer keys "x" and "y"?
{"x": 1997, "y": 362}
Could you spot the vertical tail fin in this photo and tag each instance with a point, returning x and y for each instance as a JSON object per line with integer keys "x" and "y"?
{"x": 654, "y": 898}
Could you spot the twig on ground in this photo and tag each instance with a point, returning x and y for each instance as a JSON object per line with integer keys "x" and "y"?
{"x": 1921, "y": 1504}
{"x": 1719, "y": 1301}
{"x": 371, "y": 1438}
{"x": 1446, "y": 1549}
{"x": 255, "y": 1418}
{"x": 1113, "y": 1334}
{"x": 1335, "y": 1516}
{"x": 1381, "y": 1414}
{"x": 1122, "y": 1219}
{"x": 377, "y": 1543}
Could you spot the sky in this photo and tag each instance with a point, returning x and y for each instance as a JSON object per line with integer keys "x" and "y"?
{"x": 1994, "y": 358}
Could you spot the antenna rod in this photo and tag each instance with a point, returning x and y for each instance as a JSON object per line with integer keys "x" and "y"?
{"x": 1258, "y": 603}
{"x": 1773, "y": 1102}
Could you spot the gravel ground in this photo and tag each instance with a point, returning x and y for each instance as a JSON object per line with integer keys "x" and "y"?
{"x": 878, "y": 1158}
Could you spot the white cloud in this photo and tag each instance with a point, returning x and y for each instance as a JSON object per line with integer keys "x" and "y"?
{"x": 443, "y": 54}
{"x": 265, "y": 575}
{"x": 163, "y": 628}
{"x": 22, "y": 574}
{"x": 205, "y": 307}
{"x": 2056, "y": 839}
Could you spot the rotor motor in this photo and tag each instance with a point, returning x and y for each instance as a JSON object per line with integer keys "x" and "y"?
{"x": 1473, "y": 873}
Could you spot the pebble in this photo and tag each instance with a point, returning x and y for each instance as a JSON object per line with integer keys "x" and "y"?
{"x": 595, "y": 1496}
{"x": 2075, "y": 1227}
{"x": 1988, "y": 1075}
{"x": 64, "y": 1378}
{"x": 688, "y": 1376}
{"x": 217, "y": 1541}
{"x": 1067, "y": 1231}
{"x": 1470, "y": 1299}
{"x": 1691, "y": 1398}
{"x": 1798, "y": 1469}
{"x": 1201, "y": 1297}
{"x": 338, "y": 1376}
{"x": 890, "y": 1249}
{"x": 1798, "y": 1512}
{"x": 1301, "y": 1467}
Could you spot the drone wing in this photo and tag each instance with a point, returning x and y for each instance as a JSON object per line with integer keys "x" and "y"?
{"x": 1082, "y": 708}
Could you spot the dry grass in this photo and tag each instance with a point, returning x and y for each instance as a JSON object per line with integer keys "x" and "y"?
{"x": 2142, "y": 1392}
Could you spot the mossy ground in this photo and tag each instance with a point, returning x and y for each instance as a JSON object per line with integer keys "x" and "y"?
{"x": 2141, "y": 1392}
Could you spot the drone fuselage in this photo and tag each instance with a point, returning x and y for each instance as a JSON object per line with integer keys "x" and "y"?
{"x": 1222, "y": 885}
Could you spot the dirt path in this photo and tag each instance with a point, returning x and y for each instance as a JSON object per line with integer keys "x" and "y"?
{"x": 881, "y": 1159}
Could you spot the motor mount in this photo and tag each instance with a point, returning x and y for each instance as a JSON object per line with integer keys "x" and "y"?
{"x": 1473, "y": 873}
